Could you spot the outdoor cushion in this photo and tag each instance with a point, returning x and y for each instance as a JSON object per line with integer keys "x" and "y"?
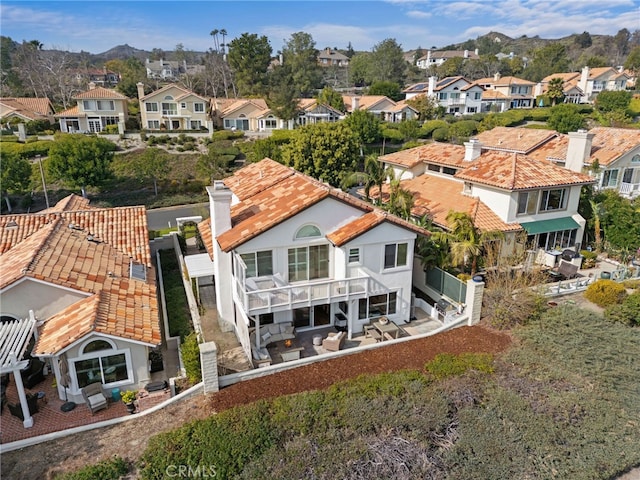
{"x": 251, "y": 284}
{"x": 96, "y": 400}
{"x": 266, "y": 337}
{"x": 279, "y": 281}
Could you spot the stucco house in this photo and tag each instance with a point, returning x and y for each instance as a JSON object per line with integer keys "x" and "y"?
{"x": 293, "y": 252}
{"x": 96, "y": 108}
{"x": 380, "y": 106}
{"x": 165, "y": 69}
{"x": 332, "y": 58}
{"x": 25, "y": 109}
{"x": 84, "y": 276}
{"x": 501, "y": 187}
{"x": 455, "y": 94}
{"x": 572, "y": 92}
{"x": 504, "y": 93}
{"x": 437, "y": 58}
{"x": 242, "y": 114}
{"x": 173, "y": 107}
{"x": 584, "y": 86}
{"x": 313, "y": 112}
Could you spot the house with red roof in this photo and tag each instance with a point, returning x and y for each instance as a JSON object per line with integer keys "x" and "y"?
{"x": 504, "y": 93}
{"x": 584, "y": 86}
{"x": 96, "y": 108}
{"x": 296, "y": 253}
{"x": 380, "y": 106}
{"x": 500, "y": 184}
{"x": 456, "y": 95}
{"x": 84, "y": 276}
{"x": 25, "y": 109}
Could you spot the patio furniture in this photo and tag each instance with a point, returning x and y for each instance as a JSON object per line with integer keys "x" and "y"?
{"x": 565, "y": 271}
{"x": 33, "y": 373}
{"x": 291, "y": 354}
{"x": 317, "y": 340}
{"x": 94, "y": 397}
{"x": 371, "y": 332}
{"x": 32, "y": 403}
{"x": 272, "y": 332}
{"x": 334, "y": 341}
{"x": 387, "y": 330}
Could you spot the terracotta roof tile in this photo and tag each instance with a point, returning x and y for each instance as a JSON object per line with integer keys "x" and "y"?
{"x": 33, "y": 108}
{"x": 69, "y": 112}
{"x": 512, "y": 171}
{"x": 436, "y": 196}
{"x": 54, "y": 248}
{"x": 256, "y": 177}
{"x": 204, "y": 227}
{"x": 509, "y": 139}
{"x": 69, "y": 203}
{"x": 101, "y": 92}
{"x": 275, "y": 202}
{"x": 438, "y": 153}
{"x": 609, "y": 144}
{"x": 357, "y": 227}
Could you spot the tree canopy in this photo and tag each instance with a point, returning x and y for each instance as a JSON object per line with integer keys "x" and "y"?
{"x": 565, "y": 118}
{"x": 389, "y": 89}
{"x": 324, "y": 151}
{"x": 365, "y": 126}
{"x": 300, "y": 56}
{"x": 249, "y": 57}
{"x": 328, "y": 96}
{"x": 388, "y": 62}
{"x": 80, "y": 160}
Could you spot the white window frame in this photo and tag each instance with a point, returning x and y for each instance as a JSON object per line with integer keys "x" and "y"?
{"x": 397, "y": 255}
{"x": 544, "y": 200}
{"x": 252, "y": 263}
{"x": 610, "y": 178}
{"x": 198, "y": 107}
{"x": 106, "y": 105}
{"x": 99, "y": 354}
{"x": 151, "y": 107}
{"x": 527, "y": 202}
{"x": 153, "y": 124}
{"x": 353, "y": 255}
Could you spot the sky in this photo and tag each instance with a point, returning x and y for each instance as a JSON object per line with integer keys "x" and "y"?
{"x": 97, "y": 26}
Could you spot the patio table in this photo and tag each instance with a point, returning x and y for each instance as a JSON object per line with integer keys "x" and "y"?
{"x": 389, "y": 328}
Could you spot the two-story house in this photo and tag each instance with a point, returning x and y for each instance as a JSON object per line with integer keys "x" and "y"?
{"x": 435, "y": 58}
{"x": 332, "y": 58}
{"x": 167, "y": 70}
{"x": 595, "y": 80}
{"x": 502, "y": 189}
{"x": 173, "y": 107}
{"x": 504, "y": 93}
{"x": 96, "y": 108}
{"x": 570, "y": 89}
{"x": 290, "y": 250}
{"x": 455, "y": 94}
{"x": 84, "y": 275}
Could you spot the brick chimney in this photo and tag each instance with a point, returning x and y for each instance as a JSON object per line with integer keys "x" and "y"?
{"x": 140, "y": 86}
{"x": 472, "y": 149}
{"x": 92, "y": 85}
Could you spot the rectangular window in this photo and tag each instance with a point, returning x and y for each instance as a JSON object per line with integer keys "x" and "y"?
{"x": 308, "y": 263}
{"x": 151, "y": 107}
{"x": 448, "y": 171}
{"x": 88, "y": 105}
{"x": 104, "y": 369}
{"x": 169, "y": 108}
{"x": 258, "y": 264}
{"x": 455, "y": 96}
{"x": 153, "y": 124}
{"x": 433, "y": 168}
{"x": 527, "y": 202}
{"x": 183, "y": 105}
{"x": 477, "y": 95}
{"x": 609, "y": 178}
{"x": 198, "y": 107}
{"x": 270, "y": 123}
{"x": 395, "y": 255}
{"x": 442, "y": 96}
{"x": 354, "y": 255}
{"x": 553, "y": 199}
{"x": 106, "y": 105}
{"x": 195, "y": 124}
{"x": 378, "y": 305}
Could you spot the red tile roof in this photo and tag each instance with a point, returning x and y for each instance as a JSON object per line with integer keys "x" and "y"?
{"x": 512, "y": 171}
{"x": 510, "y": 139}
{"x": 609, "y": 144}
{"x": 33, "y": 108}
{"x": 438, "y": 153}
{"x": 54, "y": 248}
{"x": 273, "y": 202}
{"x": 100, "y": 93}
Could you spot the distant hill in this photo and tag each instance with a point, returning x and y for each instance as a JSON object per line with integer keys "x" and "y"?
{"x": 121, "y": 52}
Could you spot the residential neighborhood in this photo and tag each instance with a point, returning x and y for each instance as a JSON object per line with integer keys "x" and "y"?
{"x": 322, "y": 262}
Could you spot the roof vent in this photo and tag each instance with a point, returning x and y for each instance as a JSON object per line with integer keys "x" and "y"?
{"x": 11, "y": 225}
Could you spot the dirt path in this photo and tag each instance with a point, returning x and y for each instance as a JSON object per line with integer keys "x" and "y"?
{"x": 129, "y": 439}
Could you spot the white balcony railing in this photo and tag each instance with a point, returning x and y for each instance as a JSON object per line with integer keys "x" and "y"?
{"x": 630, "y": 189}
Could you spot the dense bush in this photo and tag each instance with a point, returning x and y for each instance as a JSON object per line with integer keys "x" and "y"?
{"x": 589, "y": 258}
{"x": 605, "y": 292}
{"x": 112, "y": 469}
{"x": 393, "y": 135}
{"x": 28, "y": 150}
{"x": 441, "y": 134}
{"x": 191, "y": 358}
{"x": 428, "y": 127}
{"x": 446, "y": 365}
{"x": 463, "y": 129}
{"x": 227, "y": 135}
{"x": 628, "y": 312}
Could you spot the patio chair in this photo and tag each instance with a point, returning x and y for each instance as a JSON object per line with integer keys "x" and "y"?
{"x": 94, "y": 397}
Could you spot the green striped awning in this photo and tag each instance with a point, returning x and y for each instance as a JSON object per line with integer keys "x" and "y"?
{"x": 552, "y": 225}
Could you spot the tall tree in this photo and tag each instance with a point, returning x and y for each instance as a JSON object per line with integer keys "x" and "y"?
{"x": 426, "y": 106}
{"x": 281, "y": 98}
{"x": 388, "y": 89}
{"x": 151, "y": 164}
{"x": 633, "y": 63}
{"x": 15, "y": 174}
{"x": 327, "y": 151}
{"x": 547, "y": 60}
{"x": 249, "y": 57}
{"x": 555, "y": 90}
{"x": 301, "y": 57}
{"x": 621, "y": 44}
{"x": 81, "y": 161}
{"x": 328, "y": 96}
{"x": 388, "y": 62}
{"x": 373, "y": 174}
{"x": 359, "y": 69}
{"x": 366, "y": 127}
{"x": 132, "y": 71}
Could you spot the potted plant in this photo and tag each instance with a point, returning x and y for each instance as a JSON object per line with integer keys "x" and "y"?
{"x": 128, "y": 398}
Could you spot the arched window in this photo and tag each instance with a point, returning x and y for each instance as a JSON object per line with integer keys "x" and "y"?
{"x": 308, "y": 231}
{"x": 97, "y": 345}
{"x": 168, "y": 97}
{"x": 101, "y": 361}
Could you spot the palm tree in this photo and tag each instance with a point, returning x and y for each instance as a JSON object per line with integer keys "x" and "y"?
{"x": 555, "y": 91}
{"x": 374, "y": 174}
{"x": 400, "y": 200}
{"x": 466, "y": 241}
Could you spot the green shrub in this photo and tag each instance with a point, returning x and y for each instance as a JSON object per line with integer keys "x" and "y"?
{"x": 447, "y": 365}
{"x": 441, "y": 134}
{"x": 112, "y": 469}
{"x": 628, "y": 312}
{"x": 8, "y": 138}
{"x": 589, "y": 258}
{"x": 463, "y": 128}
{"x": 227, "y": 135}
{"x": 392, "y": 135}
{"x": 605, "y": 292}
{"x": 110, "y": 129}
{"x": 428, "y": 127}
{"x": 191, "y": 358}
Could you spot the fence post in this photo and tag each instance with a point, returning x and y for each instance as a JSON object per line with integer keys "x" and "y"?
{"x": 475, "y": 291}
{"x": 209, "y": 366}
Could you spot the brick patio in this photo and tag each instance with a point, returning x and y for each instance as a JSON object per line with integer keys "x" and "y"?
{"x": 51, "y": 419}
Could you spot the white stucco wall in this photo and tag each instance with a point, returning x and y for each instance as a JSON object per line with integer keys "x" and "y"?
{"x": 43, "y": 298}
